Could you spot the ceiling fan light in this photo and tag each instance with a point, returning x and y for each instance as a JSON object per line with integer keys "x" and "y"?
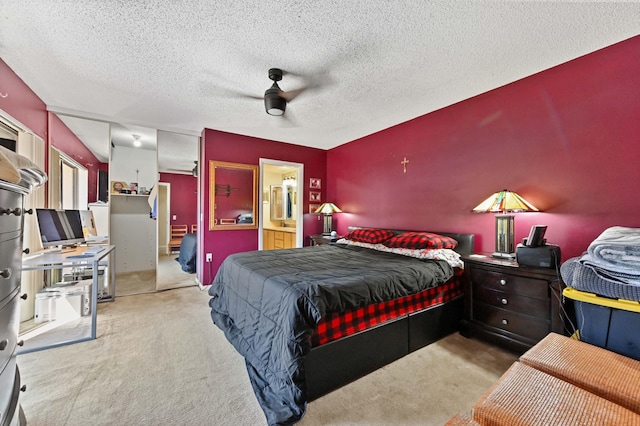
{"x": 274, "y": 104}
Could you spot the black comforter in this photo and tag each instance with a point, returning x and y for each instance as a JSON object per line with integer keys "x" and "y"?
{"x": 268, "y": 303}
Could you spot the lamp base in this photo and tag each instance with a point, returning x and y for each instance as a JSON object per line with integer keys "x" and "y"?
{"x": 326, "y": 230}
{"x": 499, "y": 255}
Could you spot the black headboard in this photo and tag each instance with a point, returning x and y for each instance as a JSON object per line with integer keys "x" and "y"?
{"x": 465, "y": 241}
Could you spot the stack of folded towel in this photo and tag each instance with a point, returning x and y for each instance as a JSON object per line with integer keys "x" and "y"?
{"x": 615, "y": 255}
{"x": 610, "y": 267}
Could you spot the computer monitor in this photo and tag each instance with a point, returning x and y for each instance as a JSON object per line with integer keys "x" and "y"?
{"x": 88, "y": 224}
{"x": 59, "y": 227}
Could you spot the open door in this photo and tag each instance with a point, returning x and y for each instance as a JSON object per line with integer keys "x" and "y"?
{"x": 287, "y": 177}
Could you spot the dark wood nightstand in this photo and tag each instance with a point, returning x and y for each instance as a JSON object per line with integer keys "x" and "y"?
{"x": 318, "y": 240}
{"x": 508, "y": 304}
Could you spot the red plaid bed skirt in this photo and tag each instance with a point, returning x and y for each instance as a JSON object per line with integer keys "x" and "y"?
{"x": 336, "y": 325}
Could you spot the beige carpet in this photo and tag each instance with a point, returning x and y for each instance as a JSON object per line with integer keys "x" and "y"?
{"x": 168, "y": 275}
{"x": 159, "y": 360}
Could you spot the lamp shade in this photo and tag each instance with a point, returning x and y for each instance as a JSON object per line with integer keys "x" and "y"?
{"x": 328, "y": 208}
{"x": 504, "y": 201}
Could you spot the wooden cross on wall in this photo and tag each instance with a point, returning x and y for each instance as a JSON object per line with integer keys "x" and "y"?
{"x": 404, "y": 164}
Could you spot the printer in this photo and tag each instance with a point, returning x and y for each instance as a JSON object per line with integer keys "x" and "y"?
{"x": 543, "y": 256}
{"x": 534, "y": 251}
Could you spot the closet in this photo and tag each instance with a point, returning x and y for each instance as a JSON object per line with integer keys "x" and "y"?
{"x": 133, "y": 172}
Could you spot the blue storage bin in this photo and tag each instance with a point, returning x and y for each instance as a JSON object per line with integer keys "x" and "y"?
{"x": 613, "y": 324}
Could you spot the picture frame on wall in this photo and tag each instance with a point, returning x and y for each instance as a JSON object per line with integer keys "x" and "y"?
{"x": 118, "y": 187}
{"x": 315, "y": 183}
{"x": 315, "y": 196}
{"x": 313, "y": 208}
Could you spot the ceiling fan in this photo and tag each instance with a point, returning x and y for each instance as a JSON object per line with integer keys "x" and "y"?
{"x": 275, "y": 100}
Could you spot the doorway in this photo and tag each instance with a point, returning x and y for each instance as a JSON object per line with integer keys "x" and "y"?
{"x": 289, "y": 176}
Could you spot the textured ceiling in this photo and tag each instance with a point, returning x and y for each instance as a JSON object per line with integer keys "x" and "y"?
{"x": 181, "y": 66}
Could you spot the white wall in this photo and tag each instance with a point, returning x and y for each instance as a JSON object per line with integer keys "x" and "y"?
{"x": 134, "y": 165}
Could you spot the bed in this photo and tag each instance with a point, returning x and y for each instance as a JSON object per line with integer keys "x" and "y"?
{"x": 274, "y": 306}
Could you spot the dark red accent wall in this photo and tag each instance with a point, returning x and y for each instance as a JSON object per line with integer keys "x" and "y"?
{"x": 222, "y": 146}
{"x": 66, "y": 141}
{"x": 21, "y": 102}
{"x": 26, "y": 107}
{"x": 566, "y": 139}
{"x": 184, "y": 198}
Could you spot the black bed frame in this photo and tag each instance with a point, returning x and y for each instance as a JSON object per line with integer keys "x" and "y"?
{"x": 342, "y": 361}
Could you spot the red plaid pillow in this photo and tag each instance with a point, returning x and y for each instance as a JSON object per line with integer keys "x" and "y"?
{"x": 369, "y": 235}
{"x": 421, "y": 240}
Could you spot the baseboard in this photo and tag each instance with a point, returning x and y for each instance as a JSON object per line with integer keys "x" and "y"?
{"x": 200, "y": 285}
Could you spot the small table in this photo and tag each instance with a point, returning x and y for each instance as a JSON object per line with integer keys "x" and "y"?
{"x": 318, "y": 240}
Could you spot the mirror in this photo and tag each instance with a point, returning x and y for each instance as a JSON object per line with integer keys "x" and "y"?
{"x": 174, "y": 161}
{"x": 232, "y": 195}
{"x": 283, "y": 201}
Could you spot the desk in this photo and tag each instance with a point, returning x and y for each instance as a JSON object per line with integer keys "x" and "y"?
{"x": 53, "y": 333}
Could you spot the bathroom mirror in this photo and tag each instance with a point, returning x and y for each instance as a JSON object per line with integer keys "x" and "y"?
{"x": 232, "y": 196}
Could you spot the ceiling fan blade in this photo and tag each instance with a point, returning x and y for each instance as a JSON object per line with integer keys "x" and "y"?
{"x": 213, "y": 90}
{"x": 292, "y": 94}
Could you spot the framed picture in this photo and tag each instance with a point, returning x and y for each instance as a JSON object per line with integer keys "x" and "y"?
{"x": 315, "y": 196}
{"x": 313, "y": 207}
{"x": 118, "y": 187}
{"x": 315, "y": 183}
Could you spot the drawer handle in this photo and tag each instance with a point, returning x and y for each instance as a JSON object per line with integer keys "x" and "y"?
{"x": 503, "y": 282}
{"x": 29, "y": 211}
{"x": 26, "y": 251}
{"x": 23, "y": 388}
{"x": 6, "y": 273}
{"x": 17, "y": 211}
{"x": 505, "y": 322}
{"x": 24, "y": 296}
{"x": 20, "y": 343}
{"x": 3, "y": 344}
{"x": 504, "y": 301}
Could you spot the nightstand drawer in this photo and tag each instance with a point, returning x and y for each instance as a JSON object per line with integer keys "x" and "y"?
{"x": 538, "y": 308}
{"x": 509, "y": 304}
{"x": 511, "y": 322}
{"x": 530, "y": 287}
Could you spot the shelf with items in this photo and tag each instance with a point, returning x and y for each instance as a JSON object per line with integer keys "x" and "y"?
{"x": 130, "y": 195}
